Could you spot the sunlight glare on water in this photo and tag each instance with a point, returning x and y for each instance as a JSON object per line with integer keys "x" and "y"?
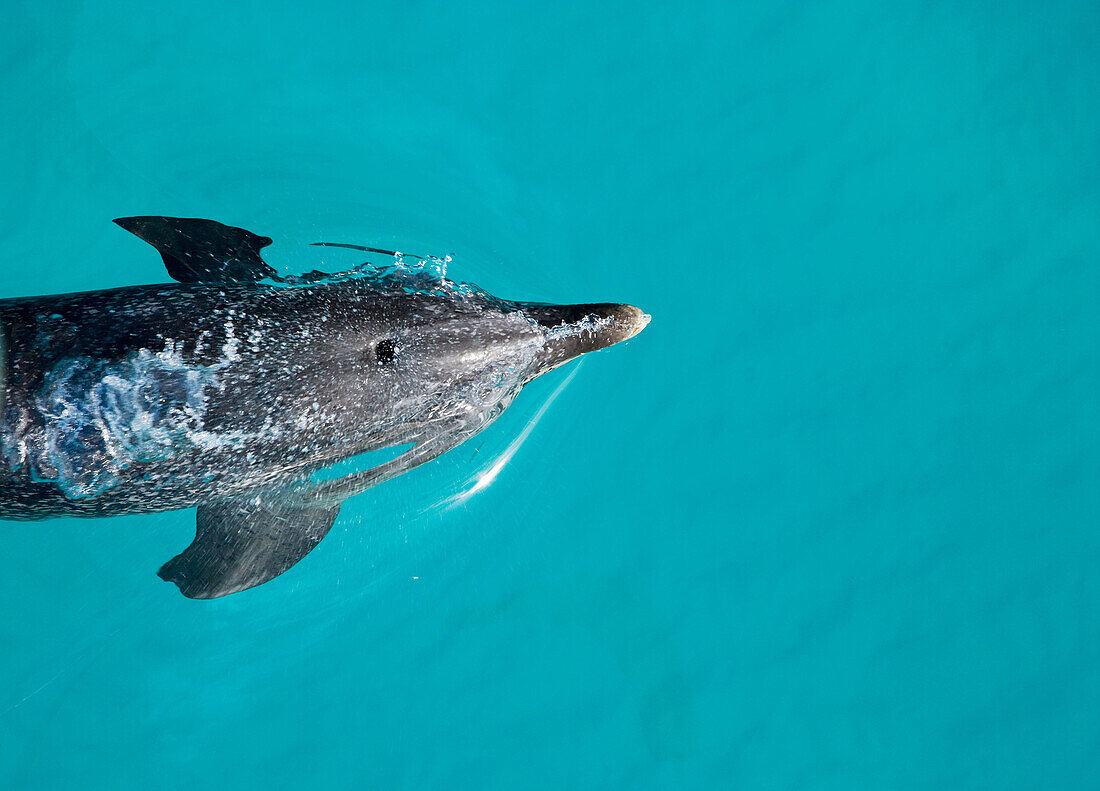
{"x": 485, "y": 478}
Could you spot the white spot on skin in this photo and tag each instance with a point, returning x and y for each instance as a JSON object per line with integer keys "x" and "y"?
{"x": 230, "y": 349}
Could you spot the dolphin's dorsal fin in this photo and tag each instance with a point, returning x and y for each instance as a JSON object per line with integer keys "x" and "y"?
{"x": 245, "y": 542}
{"x": 202, "y": 251}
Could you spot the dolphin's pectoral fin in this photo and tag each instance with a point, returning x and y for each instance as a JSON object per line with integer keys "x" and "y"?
{"x": 245, "y": 542}
{"x": 203, "y": 251}
{"x": 340, "y": 489}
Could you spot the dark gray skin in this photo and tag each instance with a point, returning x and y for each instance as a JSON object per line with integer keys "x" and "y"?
{"x": 226, "y": 393}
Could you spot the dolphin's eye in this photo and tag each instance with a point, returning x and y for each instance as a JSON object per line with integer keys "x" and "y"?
{"x": 385, "y": 350}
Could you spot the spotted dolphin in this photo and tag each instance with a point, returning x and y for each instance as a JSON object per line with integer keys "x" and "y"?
{"x": 231, "y": 388}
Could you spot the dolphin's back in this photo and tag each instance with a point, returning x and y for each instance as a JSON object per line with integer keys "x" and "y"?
{"x": 108, "y": 396}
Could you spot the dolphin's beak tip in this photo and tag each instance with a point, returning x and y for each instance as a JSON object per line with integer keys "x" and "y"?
{"x": 573, "y": 330}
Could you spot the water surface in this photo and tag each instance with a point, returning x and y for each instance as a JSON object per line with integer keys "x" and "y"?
{"x": 830, "y": 522}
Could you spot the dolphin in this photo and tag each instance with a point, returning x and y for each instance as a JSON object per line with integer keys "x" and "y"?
{"x": 231, "y": 388}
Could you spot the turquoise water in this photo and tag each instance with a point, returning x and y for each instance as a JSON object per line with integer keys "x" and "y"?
{"x": 831, "y": 521}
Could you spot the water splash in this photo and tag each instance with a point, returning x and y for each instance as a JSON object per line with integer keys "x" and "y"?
{"x": 101, "y": 418}
{"x": 401, "y": 273}
{"x": 589, "y": 324}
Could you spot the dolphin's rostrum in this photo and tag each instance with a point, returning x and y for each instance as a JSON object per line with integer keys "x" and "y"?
{"x": 230, "y": 388}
